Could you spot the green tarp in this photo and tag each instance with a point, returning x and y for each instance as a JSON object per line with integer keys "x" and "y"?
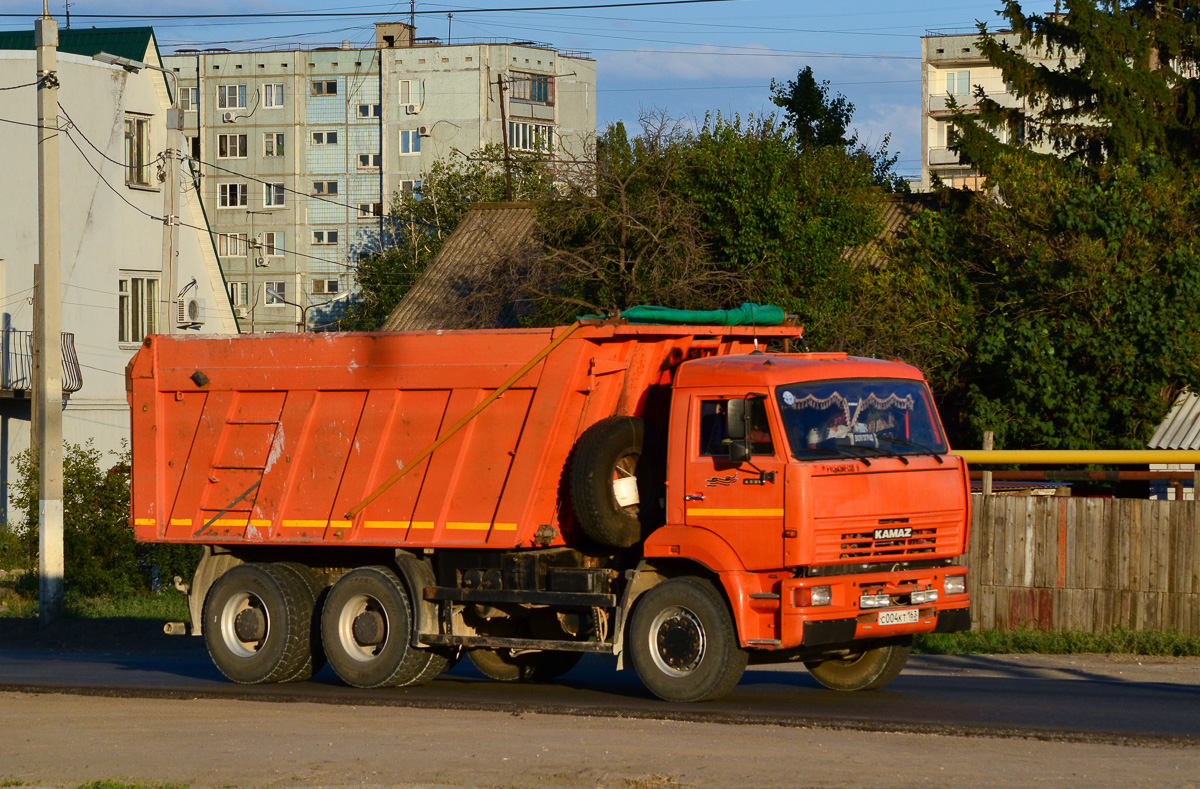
{"x": 745, "y": 315}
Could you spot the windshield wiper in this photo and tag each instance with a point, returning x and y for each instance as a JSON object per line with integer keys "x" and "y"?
{"x": 838, "y": 452}
{"x": 924, "y": 450}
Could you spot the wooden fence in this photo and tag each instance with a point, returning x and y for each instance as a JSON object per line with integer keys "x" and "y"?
{"x": 1061, "y": 563}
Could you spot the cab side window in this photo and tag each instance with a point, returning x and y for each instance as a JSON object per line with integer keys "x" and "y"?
{"x": 714, "y": 438}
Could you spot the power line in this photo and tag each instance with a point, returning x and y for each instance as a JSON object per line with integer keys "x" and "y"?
{"x": 25, "y": 85}
{"x": 339, "y": 14}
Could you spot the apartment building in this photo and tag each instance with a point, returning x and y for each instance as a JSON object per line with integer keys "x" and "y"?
{"x": 299, "y": 151}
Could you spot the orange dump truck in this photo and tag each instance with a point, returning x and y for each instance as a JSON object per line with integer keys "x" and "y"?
{"x": 669, "y": 495}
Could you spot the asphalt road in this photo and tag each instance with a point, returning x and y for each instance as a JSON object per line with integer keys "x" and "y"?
{"x": 1069, "y": 698}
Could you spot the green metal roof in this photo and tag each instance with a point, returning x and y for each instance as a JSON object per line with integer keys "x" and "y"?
{"x": 127, "y": 42}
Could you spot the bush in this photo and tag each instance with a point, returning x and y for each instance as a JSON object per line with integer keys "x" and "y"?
{"x": 100, "y": 553}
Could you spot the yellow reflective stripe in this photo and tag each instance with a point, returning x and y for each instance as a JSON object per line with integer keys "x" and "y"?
{"x": 302, "y": 524}
{"x": 148, "y": 522}
{"x": 482, "y": 526}
{"x": 397, "y": 524}
{"x": 181, "y": 521}
{"x": 715, "y": 513}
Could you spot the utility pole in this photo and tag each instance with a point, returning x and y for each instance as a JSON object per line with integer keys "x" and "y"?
{"x": 47, "y": 330}
{"x": 500, "y": 86}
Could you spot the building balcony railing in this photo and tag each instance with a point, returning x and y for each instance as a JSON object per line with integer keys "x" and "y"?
{"x": 938, "y": 101}
{"x": 16, "y": 362}
{"x": 943, "y": 156}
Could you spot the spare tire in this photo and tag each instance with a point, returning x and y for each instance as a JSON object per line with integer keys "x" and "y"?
{"x": 613, "y": 449}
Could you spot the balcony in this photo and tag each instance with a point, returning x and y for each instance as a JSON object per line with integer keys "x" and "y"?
{"x": 16, "y": 364}
{"x": 943, "y": 157}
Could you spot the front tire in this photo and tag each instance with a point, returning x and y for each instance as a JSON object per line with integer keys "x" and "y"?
{"x": 683, "y": 644}
{"x": 867, "y": 669}
{"x": 256, "y": 627}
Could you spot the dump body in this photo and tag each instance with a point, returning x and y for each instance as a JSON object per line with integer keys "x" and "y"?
{"x": 274, "y": 440}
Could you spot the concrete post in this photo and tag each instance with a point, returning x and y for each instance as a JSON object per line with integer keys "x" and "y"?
{"x": 170, "y": 209}
{"x": 47, "y": 354}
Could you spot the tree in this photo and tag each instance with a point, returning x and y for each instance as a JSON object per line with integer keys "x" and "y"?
{"x": 1068, "y": 316}
{"x": 420, "y": 221}
{"x": 1098, "y": 84}
{"x": 817, "y": 121}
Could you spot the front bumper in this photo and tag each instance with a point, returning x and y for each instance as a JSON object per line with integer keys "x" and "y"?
{"x": 843, "y": 621}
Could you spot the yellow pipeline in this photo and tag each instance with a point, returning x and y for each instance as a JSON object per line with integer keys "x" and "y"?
{"x": 1066, "y": 457}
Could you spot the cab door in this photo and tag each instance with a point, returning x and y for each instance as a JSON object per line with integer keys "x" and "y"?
{"x": 741, "y": 502}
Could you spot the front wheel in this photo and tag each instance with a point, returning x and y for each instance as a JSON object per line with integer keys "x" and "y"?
{"x": 682, "y": 642}
{"x": 866, "y": 669}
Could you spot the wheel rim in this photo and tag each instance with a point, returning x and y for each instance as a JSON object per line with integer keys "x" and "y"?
{"x": 363, "y": 627}
{"x": 677, "y": 641}
{"x": 252, "y": 613}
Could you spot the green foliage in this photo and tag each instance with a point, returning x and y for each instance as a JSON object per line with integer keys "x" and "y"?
{"x": 1102, "y": 85}
{"x": 100, "y": 554}
{"x": 1119, "y": 641}
{"x": 1071, "y": 312}
{"x": 815, "y": 119}
{"x": 420, "y": 221}
{"x": 14, "y": 551}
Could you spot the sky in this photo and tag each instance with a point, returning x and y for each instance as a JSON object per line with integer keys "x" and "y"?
{"x": 686, "y": 59}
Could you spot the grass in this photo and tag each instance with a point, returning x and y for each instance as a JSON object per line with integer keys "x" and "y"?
{"x": 169, "y": 605}
{"x": 1024, "y": 641}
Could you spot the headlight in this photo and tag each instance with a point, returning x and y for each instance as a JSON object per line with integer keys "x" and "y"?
{"x": 924, "y": 596}
{"x": 820, "y": 595}
{"x": 875, "y": 601}
{"x": 955, "y": 584}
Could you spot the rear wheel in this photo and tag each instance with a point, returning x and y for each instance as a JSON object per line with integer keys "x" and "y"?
{"x": 683, "y": 643}
{"x": 366, "y": 626}
{"x": 503, "y": 665}
{"x": 313, "y": 587}
{"x": 865, "y": 669}
{"x": 257, "y": 625}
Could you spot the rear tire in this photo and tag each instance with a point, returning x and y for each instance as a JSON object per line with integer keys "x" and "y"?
{"x": 504, "y": 666}
{"x": 255, "y": 625}
{"x": 366, "y": 626}
{"x": 683, "y": 643}
{"x": 869, "y": 669}
{"x": 309, "y": 582}
{"x": 613, "y": 448}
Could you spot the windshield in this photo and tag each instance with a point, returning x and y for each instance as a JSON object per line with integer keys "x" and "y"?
{"x": 859, "y": 418}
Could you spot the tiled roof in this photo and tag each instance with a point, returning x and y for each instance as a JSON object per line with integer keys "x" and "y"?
{"x": 127, "y": 42}
{"x": 898, "y": 210}
{"x": 490, "y": 235}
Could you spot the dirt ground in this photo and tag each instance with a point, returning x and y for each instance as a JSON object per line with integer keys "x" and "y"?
{"x": 62, "y": 740}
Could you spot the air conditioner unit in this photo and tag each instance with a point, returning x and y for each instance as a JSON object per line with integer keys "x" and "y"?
{"x": 423, "y": 131}
{"x": 189, "y": 312}
{"x": 228, "y": 117}
{"x": 261, "y": 262}
{"x": 241, "y": 312}
{"x": 412, "y": 109}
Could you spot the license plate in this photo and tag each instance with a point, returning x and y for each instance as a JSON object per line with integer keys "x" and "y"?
{"x": 906, "y": 617}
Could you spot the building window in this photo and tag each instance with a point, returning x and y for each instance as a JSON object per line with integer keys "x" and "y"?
{"x": 533, "y": 88}
{"x": 239, "y": 293}
{"x": 324, "y": 187}
{"x": 137, "y": 308}
{"x": 276, "y": 293}
{"x": 325, "y": 236}
{"x": 958, "y": 83}
{"x": 321, "y": 87}
{"x": 369, "y": 110}
{"x": 370, "y": 161}
{"x": 193, "y": 145}
{"x": 189, "y": 99}
{"x": 411, "y": 188}
{"x": 409, "y": 92}
{"x": 231, "y": 245}
{"x": 324, "y": 138}
{"x": 410, "y": 142}
{"x": 525, "y": 136}
{"x": 325, "y": 287}
{"x": 272, "y": 96}
{"x": 231, "y": 97}
{"x": 273, "y": 144}
{"x": 231, "y": 146}
{"x": 137, "y": 150}
{"x": 232, "y": 195}
{"x": 370, "y": 210}
{"x": 273, "y": 195}
{"x": 272, "y": 244}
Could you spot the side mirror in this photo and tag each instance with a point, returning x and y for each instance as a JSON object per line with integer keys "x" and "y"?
{"x": 737, "y": 419}
{"x": 741, "y": 450}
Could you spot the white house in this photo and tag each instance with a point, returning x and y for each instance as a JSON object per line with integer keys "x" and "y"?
{"x": 114, "y": 242}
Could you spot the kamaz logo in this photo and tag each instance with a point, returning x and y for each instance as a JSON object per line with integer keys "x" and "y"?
{"x": 902, "y": 533}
